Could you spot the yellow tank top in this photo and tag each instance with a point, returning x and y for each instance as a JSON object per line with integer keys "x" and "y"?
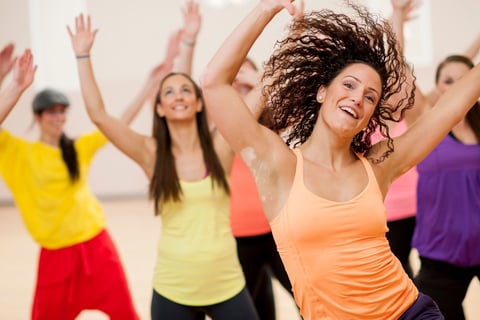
{"x": 337, "y": 256}
{"x": 197, "y": 262}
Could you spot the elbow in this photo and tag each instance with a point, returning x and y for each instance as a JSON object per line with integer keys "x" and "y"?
{"x": 211, "y": 80}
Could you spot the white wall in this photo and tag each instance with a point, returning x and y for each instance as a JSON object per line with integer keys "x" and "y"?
{"x": 131, "y": 40}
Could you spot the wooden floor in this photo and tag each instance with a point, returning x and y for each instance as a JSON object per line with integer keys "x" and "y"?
{"x": 135, "y": 231}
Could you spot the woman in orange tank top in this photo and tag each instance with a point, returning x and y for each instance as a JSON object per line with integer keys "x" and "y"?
{"x": 329, "y": 86}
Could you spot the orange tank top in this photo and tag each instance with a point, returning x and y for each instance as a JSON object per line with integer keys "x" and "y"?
{"x": 337, "y": 256}
{"x": 246, "y": 213}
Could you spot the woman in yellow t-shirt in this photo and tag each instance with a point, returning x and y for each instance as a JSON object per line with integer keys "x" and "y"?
{"x": 79, "y": 267}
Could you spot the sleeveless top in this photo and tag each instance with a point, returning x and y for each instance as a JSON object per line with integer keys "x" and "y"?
{"x": 448, "y": 216}
{"x": 337, "y": 256}
{"x": 197, "y": 262}
{"x": 246, "y": 211}
{"x": 401, "y": 198}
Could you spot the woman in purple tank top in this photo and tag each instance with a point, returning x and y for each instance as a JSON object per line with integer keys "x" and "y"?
{"x": 448, "y": 204}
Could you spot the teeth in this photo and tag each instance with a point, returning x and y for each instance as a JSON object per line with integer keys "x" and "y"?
{"x": 350, "y": 111}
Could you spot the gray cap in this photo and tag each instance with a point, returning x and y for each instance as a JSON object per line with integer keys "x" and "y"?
{"x": 47, "y": 98}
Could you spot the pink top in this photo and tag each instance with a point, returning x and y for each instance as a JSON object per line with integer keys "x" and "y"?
{"x": 246, "y": 212}
{"x": 401, "y": 199}
{"x": 337, "y": 256}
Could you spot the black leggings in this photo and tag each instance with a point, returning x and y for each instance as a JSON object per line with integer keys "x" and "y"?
{"x": 446, "y": 284}
{"x": 240, "y": 307}
{"x": 260, "y": 260}
{"x": 400, "y": 236}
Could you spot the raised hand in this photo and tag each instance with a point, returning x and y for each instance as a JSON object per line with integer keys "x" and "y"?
{"x": 192, "y": 21}
{"x": 407, "y": 7}
{"x": 24, "y": 70}
{"x": 6, "y": 60}
{"x": 84, "y": 36}
{"x": 277, "y": 5}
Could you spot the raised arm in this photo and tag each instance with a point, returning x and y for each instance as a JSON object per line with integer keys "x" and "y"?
{"x": 473, "y": 49}
{"x": 6, "y": 61}
{"x": 402, "y": 12}
{"x": 149, "y": 91}
{"x": 427, "y": 132}
{"x": 471, "y": 52}
{"x": 23, "y": 75}
{"x": 225, "y": 106}
{"x": 136, "y": 146}
{"x": 192, "y": 22}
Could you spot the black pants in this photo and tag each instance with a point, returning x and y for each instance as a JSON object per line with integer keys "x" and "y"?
{"x": 446, "y": 284}
{"x": 240, "y": 307}
{"x": 400, "y": 236}
{"x": 260, "y": 260}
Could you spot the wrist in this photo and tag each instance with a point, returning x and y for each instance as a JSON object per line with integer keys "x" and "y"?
{"x": 188, "y": 42}
{"x": 82, "y": 56}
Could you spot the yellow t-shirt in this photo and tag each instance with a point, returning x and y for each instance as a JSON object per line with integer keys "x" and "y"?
{"x": 56, "y": 212}
{"x": 197, "y": 261}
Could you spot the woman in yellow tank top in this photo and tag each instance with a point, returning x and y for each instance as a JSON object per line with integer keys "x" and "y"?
{"x": 197, "y": 269}
{"x": 328, "y": 86}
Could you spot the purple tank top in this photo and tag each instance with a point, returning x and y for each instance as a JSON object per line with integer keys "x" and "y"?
{"x": 448, "y": 204}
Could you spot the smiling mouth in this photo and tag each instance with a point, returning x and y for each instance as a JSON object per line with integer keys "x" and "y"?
{"x": 180, "y": 107}
{"x": 350, "y": 111}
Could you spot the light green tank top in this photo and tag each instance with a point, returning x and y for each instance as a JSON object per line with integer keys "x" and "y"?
{"x": 197, "y": 262}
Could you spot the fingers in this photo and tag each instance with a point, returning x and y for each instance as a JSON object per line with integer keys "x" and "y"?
{"x": 287, "y": 4}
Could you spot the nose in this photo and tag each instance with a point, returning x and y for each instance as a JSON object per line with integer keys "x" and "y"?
{"x": 356, "y": 98}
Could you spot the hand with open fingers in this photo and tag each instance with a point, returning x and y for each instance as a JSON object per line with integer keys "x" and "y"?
{"x": 192, "y": 21}
{"x": 24, "y": 70}
{"x": 407, "y": 7}
{"x": 6, "y": 59}
{"x": 84, "y": 36}
{"x": 277, "y": 5}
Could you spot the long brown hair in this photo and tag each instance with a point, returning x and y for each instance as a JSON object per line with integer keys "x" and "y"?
{"x": 165, "y": 184}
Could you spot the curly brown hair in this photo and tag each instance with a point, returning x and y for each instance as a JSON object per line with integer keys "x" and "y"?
{"x": 317, "y": 48}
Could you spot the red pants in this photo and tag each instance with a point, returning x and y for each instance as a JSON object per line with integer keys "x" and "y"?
{"x": 86, "y": 276}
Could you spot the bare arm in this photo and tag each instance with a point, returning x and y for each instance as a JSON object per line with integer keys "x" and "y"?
{"x": 402, "y": 13}
{"x": 149, "y": 91}
{"x": 23, "y": 75}
{"x": 138, "y": 147}
{"x": 473, "y": 49}
{"x": 427, "y": 132}
{"x": 192, "y": 22}
{"x": 471, "y": 52}
{"x": 225, "y": 106}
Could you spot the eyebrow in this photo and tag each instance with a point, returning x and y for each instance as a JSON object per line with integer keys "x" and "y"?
{"x": 371, "y": 88}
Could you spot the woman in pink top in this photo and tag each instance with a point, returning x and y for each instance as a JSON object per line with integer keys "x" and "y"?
{"x": 328, "y": 86}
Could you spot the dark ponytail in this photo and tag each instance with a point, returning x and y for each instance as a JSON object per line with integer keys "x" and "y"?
{"x": 69, "y": 155}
